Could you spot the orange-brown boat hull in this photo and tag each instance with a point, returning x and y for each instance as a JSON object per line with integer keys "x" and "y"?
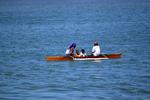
{"x": 58, "y": 58}
{"x": 68, "y": 58}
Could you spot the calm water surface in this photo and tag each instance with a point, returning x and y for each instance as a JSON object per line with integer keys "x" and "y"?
{"x": 30, "y": 30}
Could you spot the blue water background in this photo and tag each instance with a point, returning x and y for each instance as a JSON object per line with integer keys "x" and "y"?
{"x": 30, "y": 30}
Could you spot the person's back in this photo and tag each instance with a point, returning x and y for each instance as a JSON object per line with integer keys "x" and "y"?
{"x": 82, "y": 53}
{"x": 77, "y": 53}
{"x": 96, "y": 49}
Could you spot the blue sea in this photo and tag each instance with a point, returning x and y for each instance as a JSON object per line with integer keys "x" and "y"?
{"x": 32, "y": 29}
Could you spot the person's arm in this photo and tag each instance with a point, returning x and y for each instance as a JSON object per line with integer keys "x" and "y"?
{"x": 71, "y": 50}
{"x": 93, "y": 50}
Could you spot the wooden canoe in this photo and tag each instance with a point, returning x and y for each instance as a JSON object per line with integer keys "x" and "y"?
{"x": 69, "y": 58}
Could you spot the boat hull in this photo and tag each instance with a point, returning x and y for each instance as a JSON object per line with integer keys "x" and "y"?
{"x": 70, "y": 58}
{"x": 58, "y": 58}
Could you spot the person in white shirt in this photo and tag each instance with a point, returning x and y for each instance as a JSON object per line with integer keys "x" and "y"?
{"x": 96, "y": 49}
{"x": 82, "y": 53}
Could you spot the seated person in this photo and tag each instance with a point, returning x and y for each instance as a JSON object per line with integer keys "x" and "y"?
{"x": 70, "y": 49}
{"x": 82, "y": 53}
{"x": 96, "y": 49}
{"x": 77, "y": 53}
